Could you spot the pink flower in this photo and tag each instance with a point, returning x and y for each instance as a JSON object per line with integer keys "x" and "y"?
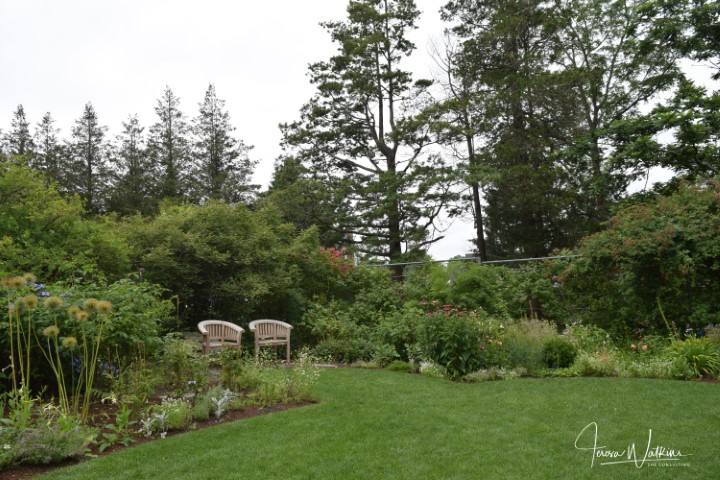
{"x": 482, "y": 347}
{"x": 644, "y": 347}
{"x": 633, "y": 346}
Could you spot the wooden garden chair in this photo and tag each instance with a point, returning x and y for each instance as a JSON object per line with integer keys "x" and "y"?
{"x": 271, "y": 333}
{"x": 218, "y": 334}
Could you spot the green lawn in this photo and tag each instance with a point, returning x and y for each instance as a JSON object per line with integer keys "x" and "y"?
{"x": 376, "y": 425}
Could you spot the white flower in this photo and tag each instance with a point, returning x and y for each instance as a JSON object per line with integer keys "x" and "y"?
{"x": 6, "y": 447}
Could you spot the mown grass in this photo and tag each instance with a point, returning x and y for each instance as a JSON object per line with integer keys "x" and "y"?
{"x": 386, "y": 425}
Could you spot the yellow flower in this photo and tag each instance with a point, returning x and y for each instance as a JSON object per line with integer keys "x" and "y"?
{"x": 53, "y": 303}
{"x": 6, "y": 282}
{"x": 103, "y": 306}
{"x": 90, "y": 304}
{"x": 81, "y": 316}
{"x": 29, "y": 278}
{"x": 30, "y": 301}
{"x": 69, "y": 342}
{"x": 73, "y": 310}
{"x": 17, "y": 282}
{"x": 51, "y": 331}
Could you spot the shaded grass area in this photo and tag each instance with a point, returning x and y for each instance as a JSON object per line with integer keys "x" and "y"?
{"x": 386, "y": 425}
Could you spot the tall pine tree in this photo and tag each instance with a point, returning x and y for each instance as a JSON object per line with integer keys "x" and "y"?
{"x": 506, "y": 48}
{"x": 49, "y": 154}
{"x": 133, "y": 185}
{"x": 223, "y": 168}
{"x": 169, "y": 148}
{"x": 19, "y": 141}
{"x": 361, "y": 134}
{"x": 87, "y": 168}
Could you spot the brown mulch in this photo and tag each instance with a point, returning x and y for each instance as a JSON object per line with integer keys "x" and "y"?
{"x": 29, "y": 471}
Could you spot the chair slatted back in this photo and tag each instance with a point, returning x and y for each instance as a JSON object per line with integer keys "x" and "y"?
{"x": 271, "y": 333}
{"x": 271, "y": 330}
{"x": 218, "y": 332}
{"x": 222, "y": 332}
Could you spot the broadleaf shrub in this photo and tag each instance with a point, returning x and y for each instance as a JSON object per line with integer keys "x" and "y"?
{"x": 558, "y": 353}
{"x": 451, "y": 338}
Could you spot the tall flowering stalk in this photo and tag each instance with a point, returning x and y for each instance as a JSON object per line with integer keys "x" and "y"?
{"x": 91, "y": 349}
{"x": 20, "y": 332}
{"x": 74, "y": 393}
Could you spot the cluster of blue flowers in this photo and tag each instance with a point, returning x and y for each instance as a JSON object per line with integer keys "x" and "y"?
{"x": 40, "y": 289}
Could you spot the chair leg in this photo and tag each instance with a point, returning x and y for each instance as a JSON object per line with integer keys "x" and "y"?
{"x": 287, "y": 355}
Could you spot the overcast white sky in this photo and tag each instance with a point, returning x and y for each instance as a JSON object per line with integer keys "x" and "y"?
{"x": 58, "y": 55}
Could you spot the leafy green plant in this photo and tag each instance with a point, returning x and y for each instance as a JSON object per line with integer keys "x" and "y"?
{"x": 602, "y": 363}
{"x": 451, "y": 338}
{"x": 172, "y": 414}
{"x": 702, "y": 355}
{"x": 588, "y": 337}
{"x": 182, "y": 363}
{"x": 558, "y": 353}
{"x": 119, "y": 432}
{"x": 384, "y": 354}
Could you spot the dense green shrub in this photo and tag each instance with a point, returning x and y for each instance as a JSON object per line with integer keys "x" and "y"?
{"x": 451, "y": 338}
{"x": 46, "y": 233}
{"x": 558, "y": 353}
{"x": 123, "y": 317}
{"x": 701, "y": 355}
{"x": 508, "y": 292}
{"x": 399, "y": 329}
{"x": 666, "y": 250}
{"x": 384, "y": 354}
{"x": 218, "y": 260}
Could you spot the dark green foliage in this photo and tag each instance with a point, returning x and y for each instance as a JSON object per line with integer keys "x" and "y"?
{"x": 19, "y": 141}
{"x": 222, "y": 166}
{"x": 532, "y": 290}
{"x": 219, "y": 260}
{"x": 130, "y": 331}
{"x": 49, "y": 155}
{"x": 86, "y": 169}
{"x": 45, "y": 233}
{"x": 662, "y": 252}
{"x": 359, "y": 134}
{"x": 452, "y": 341}
{"x": 399, "y": 330}
{"x": 558, "y": 353}
{"x": 384, "y": 354}
{"x": 134, "y": 176}
{"x": 169, "y": 148}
